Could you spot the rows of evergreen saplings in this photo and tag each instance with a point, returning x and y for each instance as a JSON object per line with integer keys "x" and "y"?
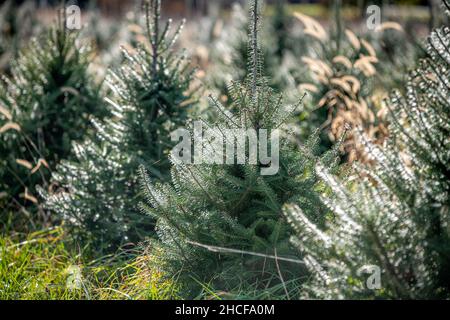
{"x": 97, "y": 160}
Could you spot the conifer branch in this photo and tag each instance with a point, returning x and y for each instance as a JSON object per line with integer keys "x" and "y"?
{"x": 254, "y": 46}
{"x": 152, "y": 20}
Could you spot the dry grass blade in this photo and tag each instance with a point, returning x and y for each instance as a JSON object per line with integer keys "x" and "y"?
{"x": 27, "y": 196}
{"x": 318, "y": 66}
{"x": 308, "y": 87}
{"x": 369, "y": 48}
{"x": 364, "y": 64}
{"x": 389, "y": 25}
{"x": 343, "y": 60}
{"x": 242, "y": 252}
{"x": 354, "y": 82}
{"x": 312, "y": 27}
{"x": 24, "y": 163}
{"x": 342, "y": 84}
{"x": 6, "y": 113}
{"x": 354, "y": 41}
{"x": 40, "y": 163}
{"x": 10, "y": 126}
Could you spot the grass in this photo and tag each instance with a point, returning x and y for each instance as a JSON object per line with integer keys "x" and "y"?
{"x": 40, "y": 266}
{"x": 44, "y": 266}
{"x": 36, "y": 268}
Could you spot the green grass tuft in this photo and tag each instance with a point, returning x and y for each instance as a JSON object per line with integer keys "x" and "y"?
{"x": 40, "y": 266}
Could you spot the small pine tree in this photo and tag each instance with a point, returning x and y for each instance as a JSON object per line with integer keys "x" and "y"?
{"x": 396, "y": 217}
{"x": 44, "y": 106}
{"x": 230, "y": 55}
{"x": 231, "y": 209}
{"x": 151, "y": 98}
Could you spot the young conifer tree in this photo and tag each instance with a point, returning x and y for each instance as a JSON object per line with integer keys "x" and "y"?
{"x": 222, "y": 224}
{"x": 44, "y": 106}
{"x": 151, "y": 98}
{"x": 230, "y": 53}
{"x": 391, "y": 237}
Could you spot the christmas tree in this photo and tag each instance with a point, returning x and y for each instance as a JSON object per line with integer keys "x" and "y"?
{"x": 229, "y": 54}
{"x": 151, "y": 98}
{"x": 44, "y": 106}
{"x": 390, "y": 237}
{"x": 220, "y": 221}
